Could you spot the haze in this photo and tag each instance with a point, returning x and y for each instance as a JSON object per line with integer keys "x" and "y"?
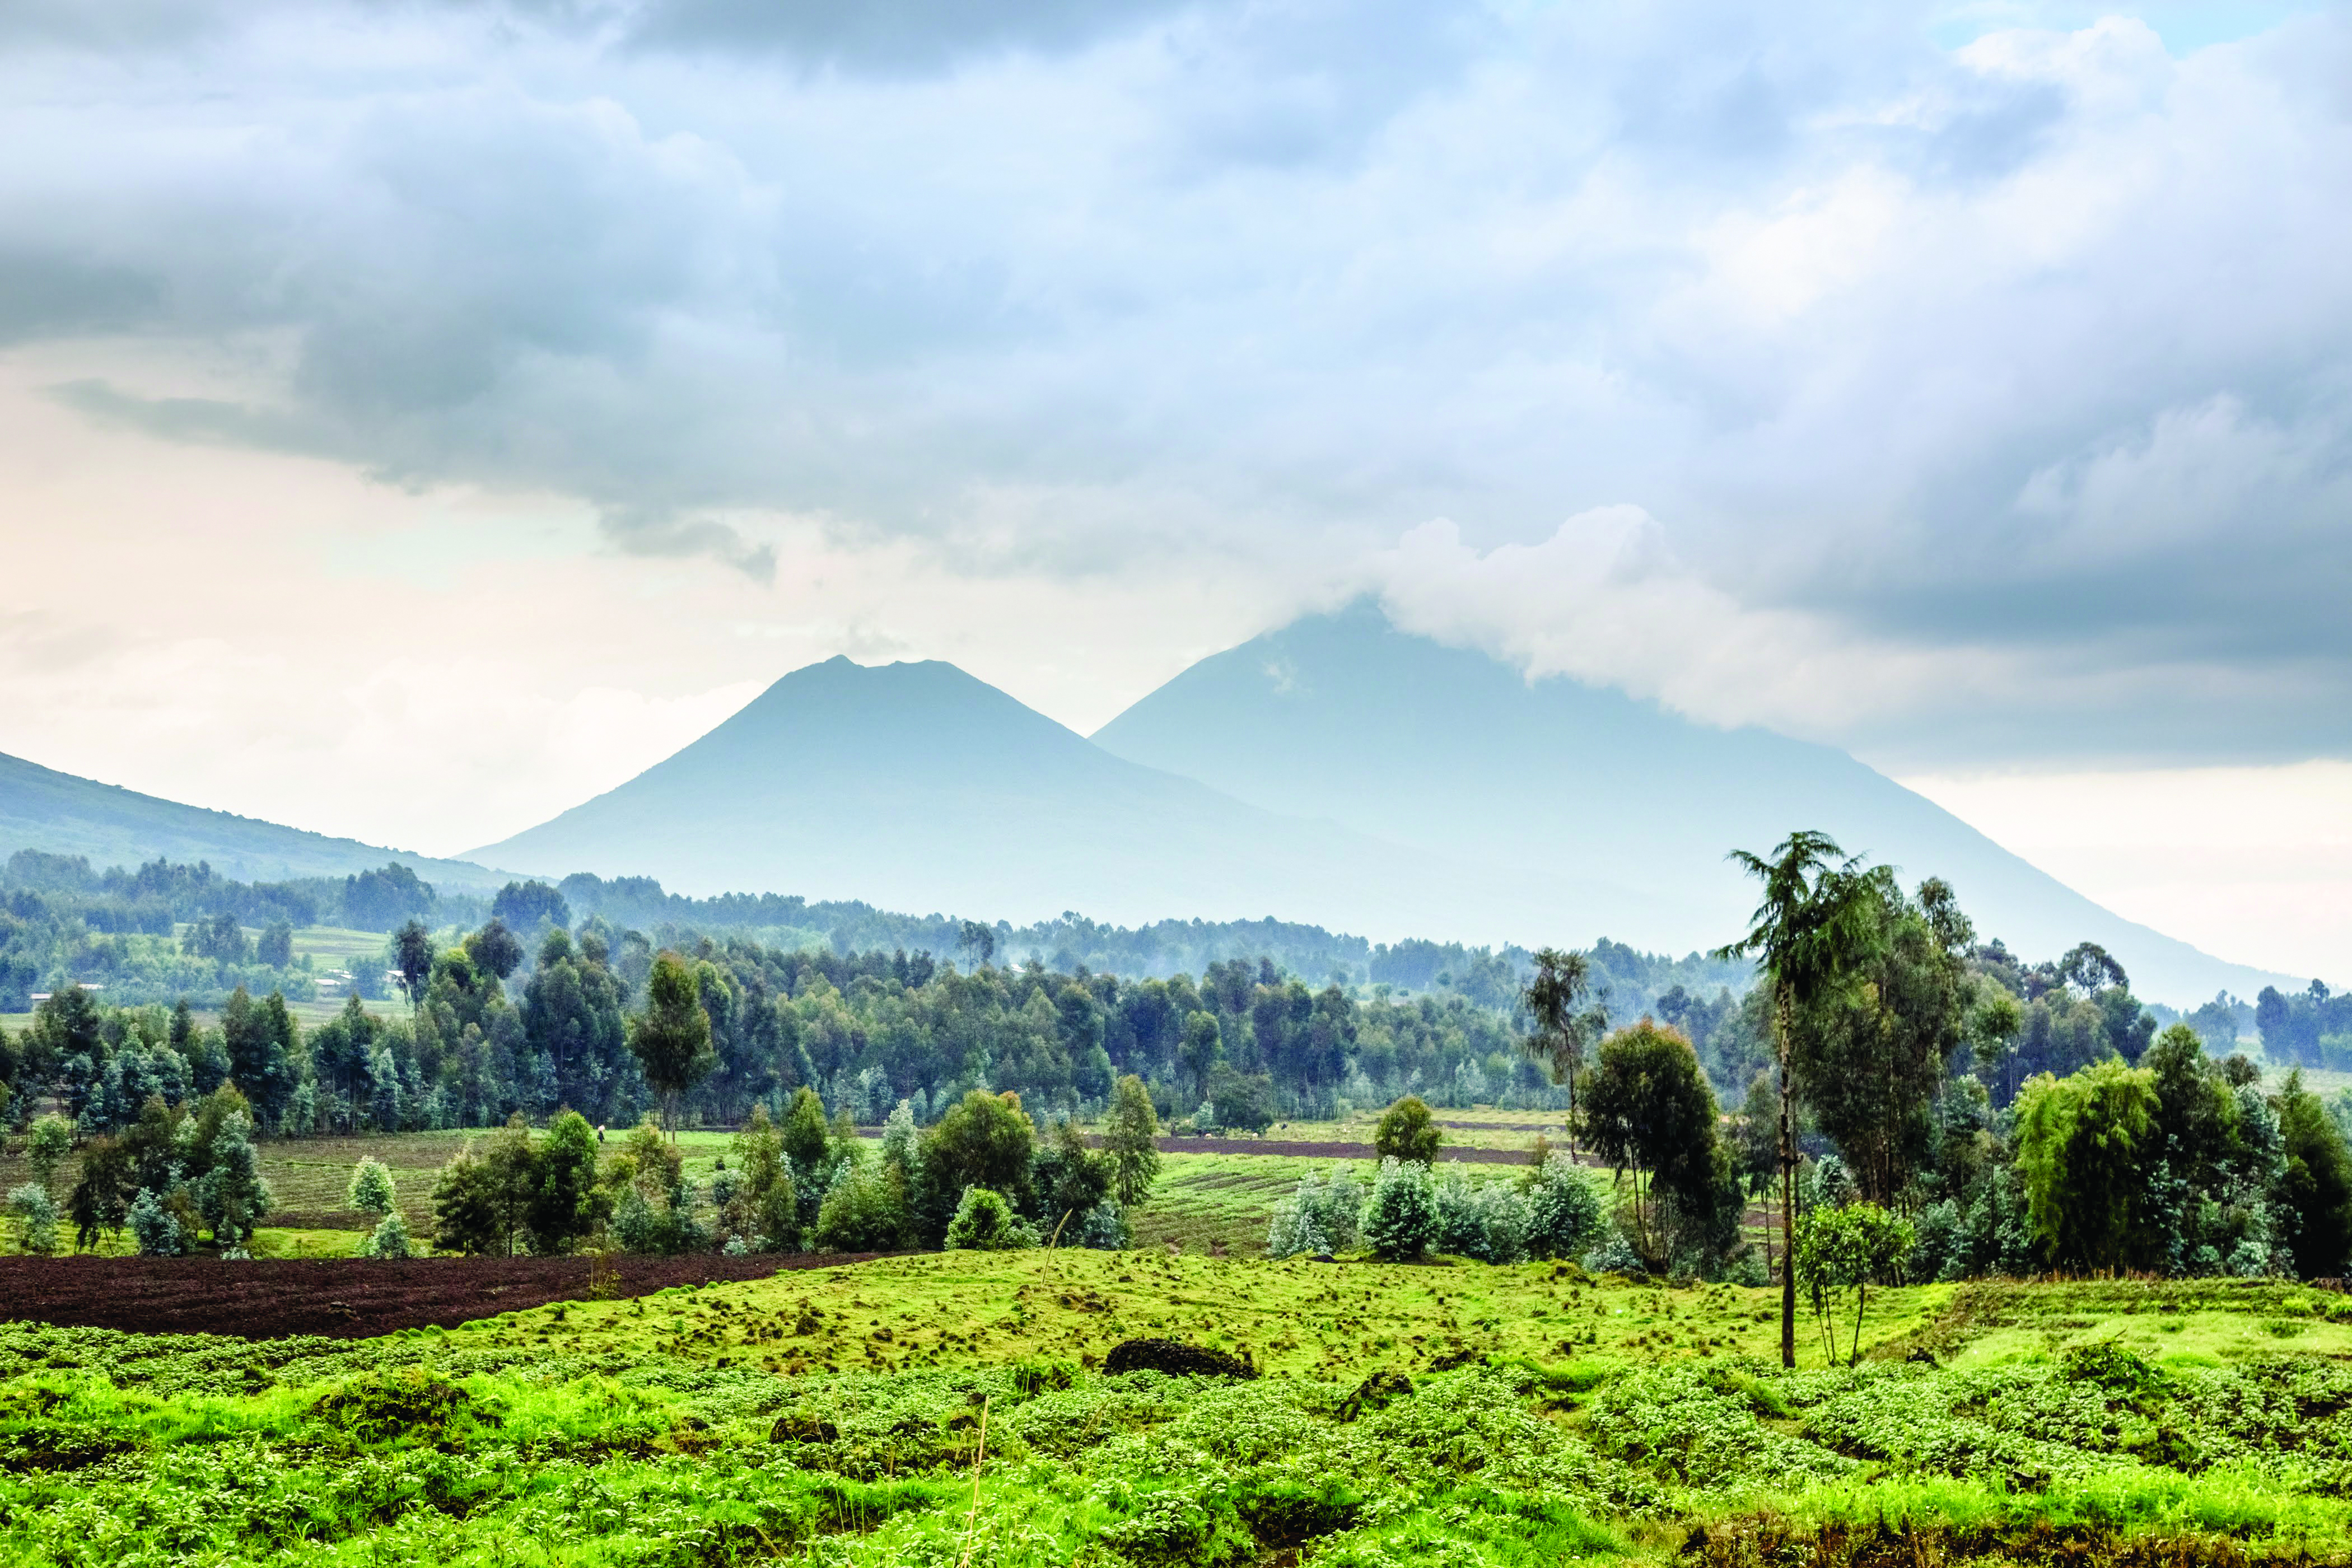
{"x": 415, "y": 421}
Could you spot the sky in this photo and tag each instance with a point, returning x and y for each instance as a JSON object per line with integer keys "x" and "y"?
{"x": 415, "y": 418}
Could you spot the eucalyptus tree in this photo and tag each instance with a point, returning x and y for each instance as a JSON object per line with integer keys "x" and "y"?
{"x": 672, "y": 1037}
{"x": 1653, "y": 1112}
{"x": 1869, "y": 1060}
{"x": 1555, "y": 998}
{"x": 411, "y": 958}
{"x": 1817, "y": 922}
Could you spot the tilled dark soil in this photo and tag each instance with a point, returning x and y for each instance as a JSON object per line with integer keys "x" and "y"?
{"x": 344, "y": 1298}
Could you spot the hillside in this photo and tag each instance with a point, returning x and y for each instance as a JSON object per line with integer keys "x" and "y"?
{"x": 1584, "y": 790}
{"x": 917, "y": 787}
{"x": 41, "y": 808}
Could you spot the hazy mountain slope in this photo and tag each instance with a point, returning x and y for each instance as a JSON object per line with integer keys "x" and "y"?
{"x": 1344, "y": 718}
{"x": 41, "y": 808}
{"x": 917, "y": 787}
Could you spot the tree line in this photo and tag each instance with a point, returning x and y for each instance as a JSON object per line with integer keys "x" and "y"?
{"x": 62, "y": 922}
{"x": 1934, "y": 1110}
{"x": 489, "y": 1028}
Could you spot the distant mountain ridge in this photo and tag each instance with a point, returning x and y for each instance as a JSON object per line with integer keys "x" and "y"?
{"x": 1336, "y": 772}
{"x": 917, "y": 786}
{"x": 41, "y": 808}
{"x": 1346, "y": 718}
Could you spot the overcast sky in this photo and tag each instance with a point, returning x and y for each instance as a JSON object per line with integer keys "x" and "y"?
{"x": 416, "y": 418}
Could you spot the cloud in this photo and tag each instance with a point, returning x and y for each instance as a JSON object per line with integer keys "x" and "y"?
{"x": 1996, "y": 390}
{"x": 887, "y": 37}
{"x": 636, "y": 531}
{"x": 1606, "y": 600}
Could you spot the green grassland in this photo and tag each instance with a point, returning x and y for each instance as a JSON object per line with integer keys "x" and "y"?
{"x": 1213, "y": 1204}
{"x": 1222, "y": 1204}
{"x": 1464, "y": 1126}
{"x": 953, "y": 1409}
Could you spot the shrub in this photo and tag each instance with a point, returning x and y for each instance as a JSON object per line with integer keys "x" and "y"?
{"x": 1321, "y": 1217}
{"x": 1488, "y": 1221}
{"x": 478, "y": 1204}
{"x": 984, "y": 1222}
{"x": 389, "y": 1239}
{"x": 1244, "y": 1101}
{"x": 1614, "y": 1255}
{"x": 1197, "y": 1530}
{"x": 1938, "y": 1252}
{"x": 865, "y": 1210}
{"x": 1407, "y": 1131}
{"x": 35, "y": 1214}
{"x": 640, "y": 1225}
{"x": 1563, "y": 1211}
{"x": 764, "y": 1210}
{"x": 986, "y": 1140}
{"x": 47, "y": 1143}
{"x": 232, "y": 1195}
{"x": 1400, "y": 1219}
{"x": 371, "y": 1190}
{"x": 564, "y": 1202}
{"x": 154, "y": 1226}
{"x": 1103, "y": 1228}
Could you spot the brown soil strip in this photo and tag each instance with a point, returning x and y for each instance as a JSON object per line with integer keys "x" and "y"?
{"x": 344, "y": 1298}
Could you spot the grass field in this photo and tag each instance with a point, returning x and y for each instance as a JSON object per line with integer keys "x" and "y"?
{"x": 955, "y": 1410}
{"x": 1217, "y": 1204}
{"x": 1467, "y": 1127}
{"x": 1222, "y": 1204}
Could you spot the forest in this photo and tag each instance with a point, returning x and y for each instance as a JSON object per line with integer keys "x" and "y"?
{"x": 1941, "y": 1079}
{"x": 62, "y": 922}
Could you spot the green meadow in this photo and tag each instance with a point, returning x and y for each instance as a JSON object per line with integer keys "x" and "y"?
{"x": 956, "y": 1409}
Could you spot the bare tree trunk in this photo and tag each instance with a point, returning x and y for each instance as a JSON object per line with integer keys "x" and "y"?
{"x": 1571, "y": 1113}
{"x": 1788, "y": 1200}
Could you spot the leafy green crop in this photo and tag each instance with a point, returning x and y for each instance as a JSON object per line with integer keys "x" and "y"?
{"x": 663, "y": 1430}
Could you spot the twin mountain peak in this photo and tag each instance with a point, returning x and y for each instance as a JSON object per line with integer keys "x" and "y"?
{"x": 1338, "y": 771}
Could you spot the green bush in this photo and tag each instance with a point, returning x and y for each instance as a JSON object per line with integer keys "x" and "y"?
{"x": 1484, "y": 1220}
{"x": 154, "y": 1226}
{"x": 389, "y": 1239}
{"x": 984, "y": 1222}
{"x": 1320, "y": 1217}
{"x": 863, "y": 1211}
{"x": 1563, "y": 1211}
{"x": 35, "y": 1214}
{"x": 1400, "y": 1219}
{"x": 642, "y": 1225}
{"x": 1407, "y": 1131}
{"x": 46, "y": 1143}
{"x": 1104, "y": 1227}
{"x": 412, "y": 1406}
{"x": 370, "y": 1190}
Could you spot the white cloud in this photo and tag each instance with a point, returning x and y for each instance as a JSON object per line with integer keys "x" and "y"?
{"x": 1606, "y": 600}
{"x": 1992, "y": 397}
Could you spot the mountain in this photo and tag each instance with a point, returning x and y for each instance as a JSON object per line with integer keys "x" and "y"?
{"x": 1587, "y": 791}
{"x": 917, "y": 787}
{"x": 41, "y": 808}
